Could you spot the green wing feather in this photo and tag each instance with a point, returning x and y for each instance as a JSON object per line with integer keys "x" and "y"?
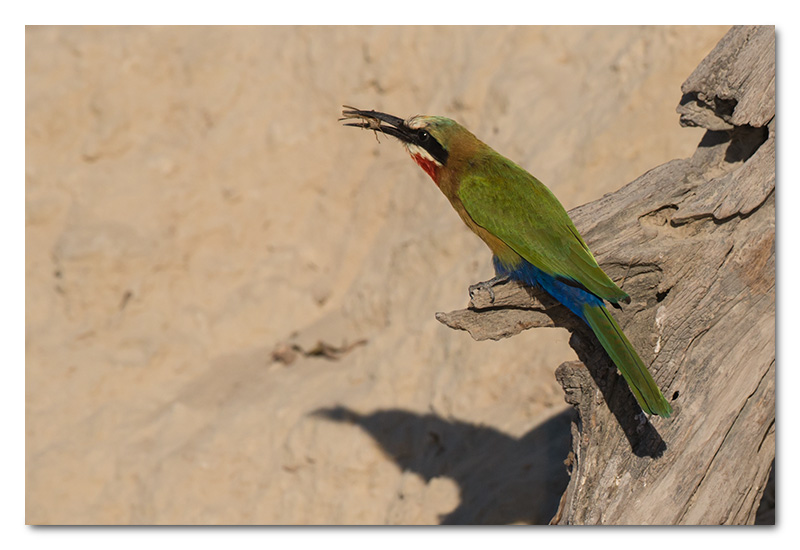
{"x": 518, "y": 209}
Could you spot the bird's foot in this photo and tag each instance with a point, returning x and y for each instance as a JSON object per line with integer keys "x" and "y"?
{"x": 487, "y": 286}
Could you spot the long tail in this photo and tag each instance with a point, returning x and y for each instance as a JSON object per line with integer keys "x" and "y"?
{"x": 621, "y": 351}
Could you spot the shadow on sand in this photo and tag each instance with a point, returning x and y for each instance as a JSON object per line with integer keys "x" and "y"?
{"x": 501, "y": 479}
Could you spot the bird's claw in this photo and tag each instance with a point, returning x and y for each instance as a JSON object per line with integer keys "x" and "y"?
{"x": 487, "y": 286}
{"x": 484, "y": 285}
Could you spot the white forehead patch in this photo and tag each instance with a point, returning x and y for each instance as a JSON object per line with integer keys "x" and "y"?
{"x": 415, "y": 150}
{"x": 415, "y": 122}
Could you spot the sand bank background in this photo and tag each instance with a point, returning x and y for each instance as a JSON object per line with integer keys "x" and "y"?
{"x": 193, "y": 207}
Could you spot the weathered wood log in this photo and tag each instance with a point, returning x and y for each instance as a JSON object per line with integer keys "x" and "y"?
{"x": 693, "y": 243}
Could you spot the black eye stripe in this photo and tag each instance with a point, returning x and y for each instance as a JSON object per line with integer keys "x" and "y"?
{"x": 425, "y": 140}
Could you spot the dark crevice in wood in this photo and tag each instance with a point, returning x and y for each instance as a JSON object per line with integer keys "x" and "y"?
{"x": 744, "y": 142}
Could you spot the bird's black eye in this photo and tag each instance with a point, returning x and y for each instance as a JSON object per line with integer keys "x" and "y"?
{"x": 423, "y": 136}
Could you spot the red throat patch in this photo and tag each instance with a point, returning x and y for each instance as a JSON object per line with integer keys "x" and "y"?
{"x": 428, "y": 165}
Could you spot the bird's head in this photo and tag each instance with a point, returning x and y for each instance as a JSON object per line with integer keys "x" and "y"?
{"x": 430, "y": 140}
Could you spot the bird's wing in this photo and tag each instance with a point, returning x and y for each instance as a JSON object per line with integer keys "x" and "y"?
{"x": 518, "y": 209}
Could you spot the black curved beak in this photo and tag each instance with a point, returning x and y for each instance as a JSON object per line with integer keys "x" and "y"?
{"x": 371, "y": 120}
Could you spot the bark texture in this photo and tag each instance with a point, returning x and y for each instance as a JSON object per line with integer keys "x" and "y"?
{"x": 693, "y": 242}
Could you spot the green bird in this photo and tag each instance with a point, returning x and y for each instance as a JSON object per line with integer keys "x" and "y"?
{"x": 527, "y": 229}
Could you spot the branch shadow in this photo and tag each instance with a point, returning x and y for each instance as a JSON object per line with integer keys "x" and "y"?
{"x": 501, "y": 479}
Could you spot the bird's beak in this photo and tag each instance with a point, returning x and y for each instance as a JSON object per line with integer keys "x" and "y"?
{"x": 372, "y": 120}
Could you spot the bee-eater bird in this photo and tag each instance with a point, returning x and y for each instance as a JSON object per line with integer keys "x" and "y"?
{"x": 527, "y": 229}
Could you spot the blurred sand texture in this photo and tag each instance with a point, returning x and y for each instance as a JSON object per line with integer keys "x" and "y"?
{"x": 230, "y": 297}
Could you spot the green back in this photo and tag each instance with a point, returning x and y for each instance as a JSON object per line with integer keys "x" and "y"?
{"x": 517, "y": 208}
